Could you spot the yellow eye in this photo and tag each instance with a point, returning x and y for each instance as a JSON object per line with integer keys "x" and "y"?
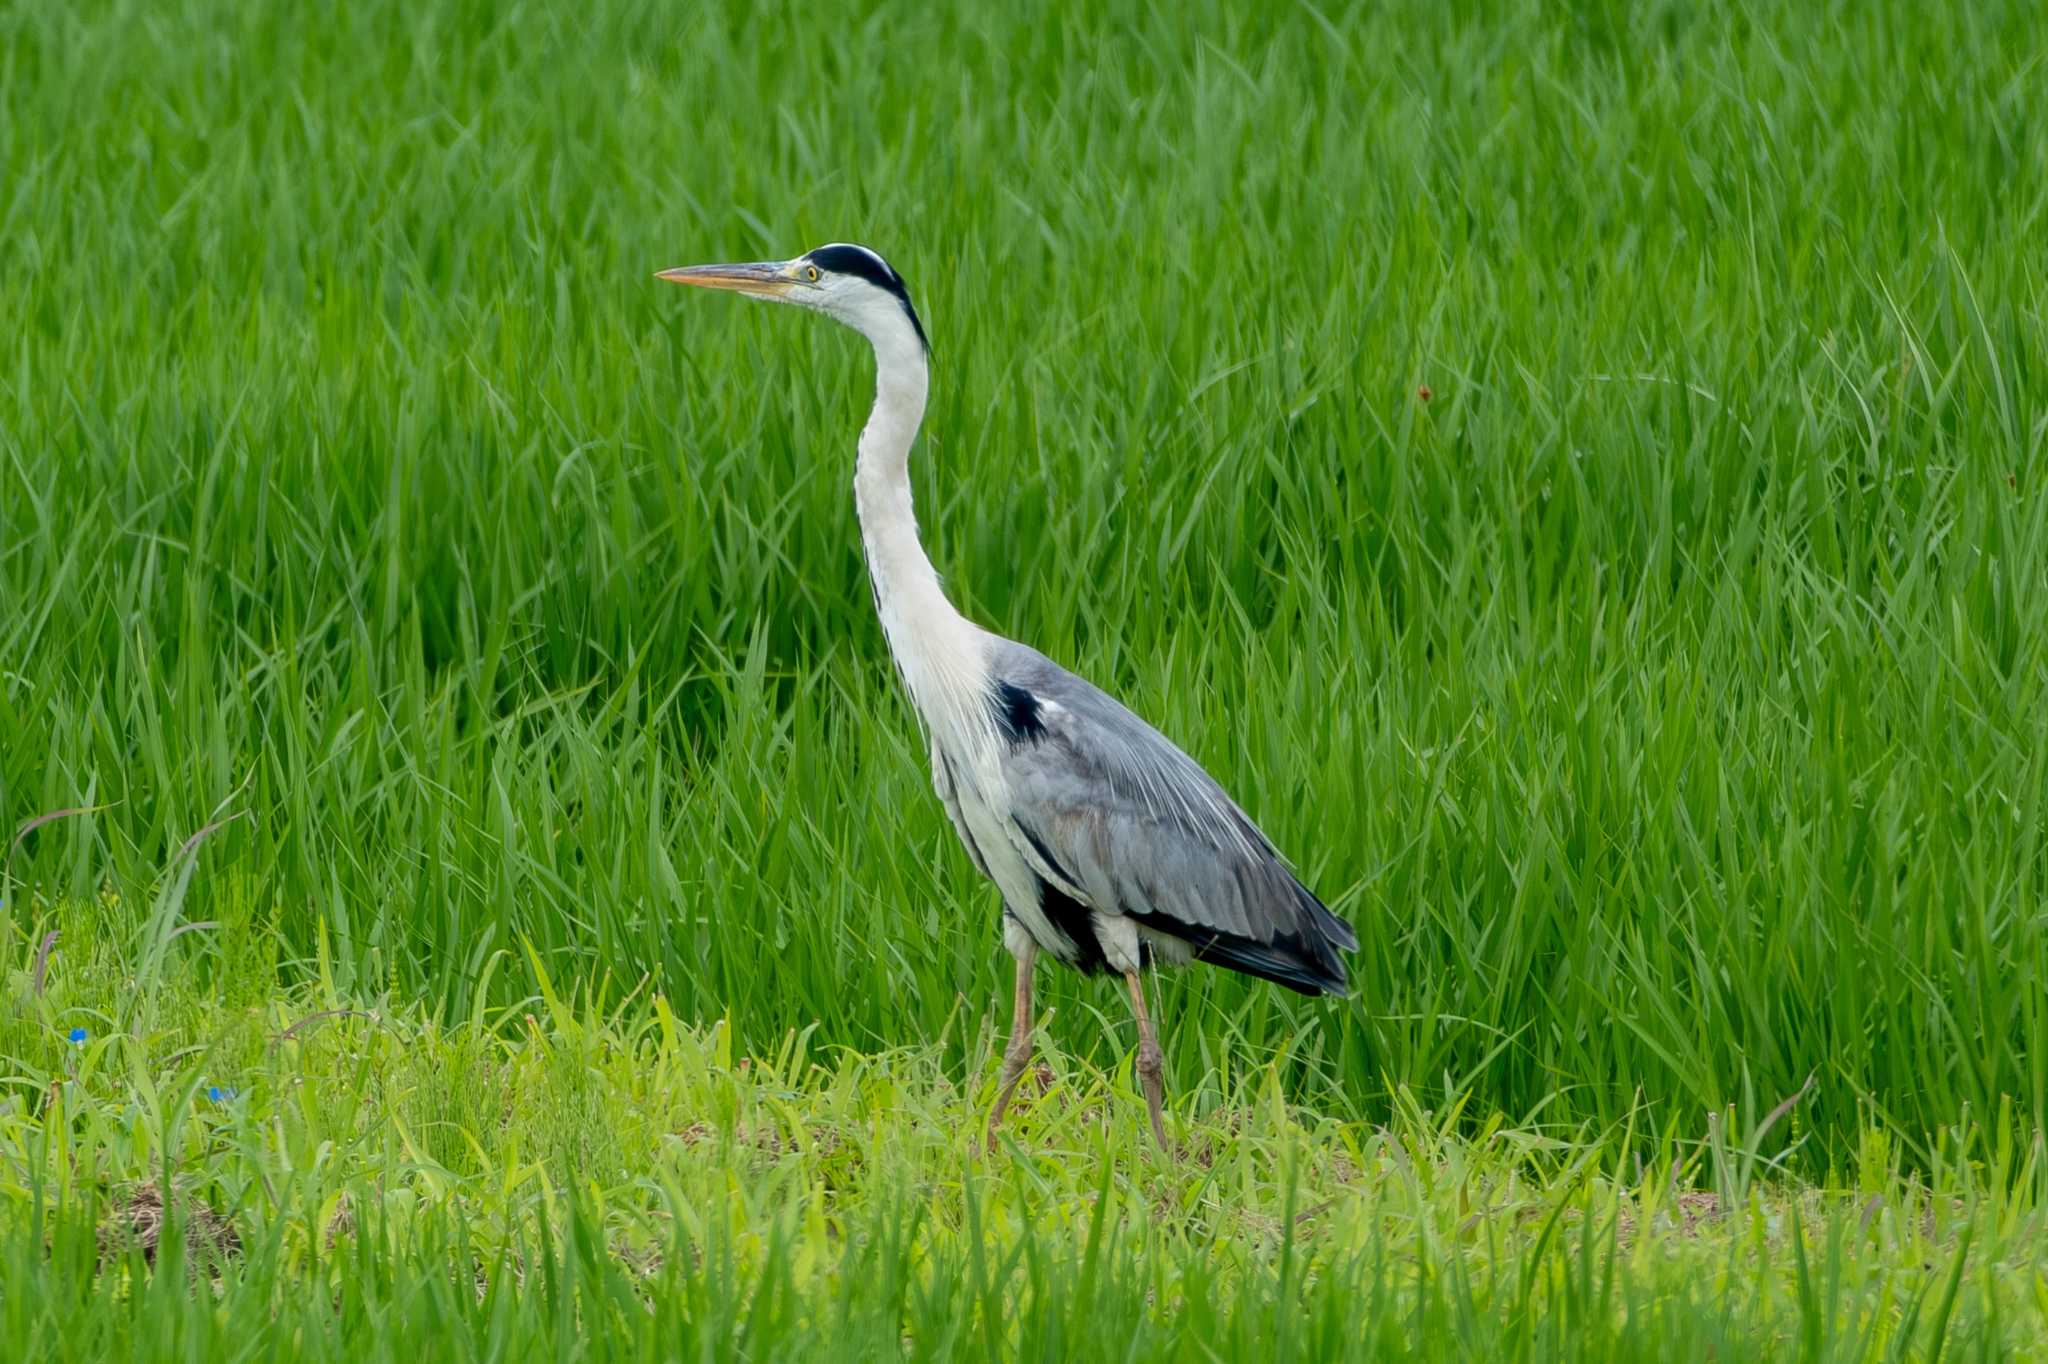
{"x": 811, "y": 273}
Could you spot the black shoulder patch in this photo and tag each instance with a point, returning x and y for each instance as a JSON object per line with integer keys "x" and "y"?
{"x": 843, "y": 258}
{"x": 1016, "y": 713}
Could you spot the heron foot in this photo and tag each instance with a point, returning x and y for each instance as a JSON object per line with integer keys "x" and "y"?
{"x": 1018, "y": 1053}
{"x": 1151, "y": 1060}
{"x": 1151, "y": 1066}
{"x": 1016, "y": 1057}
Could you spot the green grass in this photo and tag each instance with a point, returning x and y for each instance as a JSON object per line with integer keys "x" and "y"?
{"x": 1665, "y": 699}
{"x": 596, "y": 1178}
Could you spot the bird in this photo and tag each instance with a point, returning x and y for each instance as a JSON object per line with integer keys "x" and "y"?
{"x": 1112, "y": 849}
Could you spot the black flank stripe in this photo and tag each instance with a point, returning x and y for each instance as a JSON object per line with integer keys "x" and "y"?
{"x": 1289, "y": 960}
{"x": 1073, "y": 920}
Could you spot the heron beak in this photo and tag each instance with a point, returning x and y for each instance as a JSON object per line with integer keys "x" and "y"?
{"x": 761, "y": 279}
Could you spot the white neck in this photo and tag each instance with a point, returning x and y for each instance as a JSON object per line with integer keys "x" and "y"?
{"x": 904, "y": 576}
{"x": 939, "y": 651}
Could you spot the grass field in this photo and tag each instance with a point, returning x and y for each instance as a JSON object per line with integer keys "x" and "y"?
{"x": 1575, "y": 475}
{"x": 596, "y": 1178}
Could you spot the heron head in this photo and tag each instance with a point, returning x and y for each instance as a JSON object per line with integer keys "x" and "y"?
{"x": 846, "y": 282}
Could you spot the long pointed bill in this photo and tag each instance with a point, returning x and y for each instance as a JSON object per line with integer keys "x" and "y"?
{"x": 762, "y": 279}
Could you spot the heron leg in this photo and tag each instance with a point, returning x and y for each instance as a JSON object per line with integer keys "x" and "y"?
{"x": 1151, "y": 1060}
{"x": 1018, "y": 1052}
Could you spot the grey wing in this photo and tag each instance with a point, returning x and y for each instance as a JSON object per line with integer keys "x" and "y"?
{"x": 1111, "y": 813}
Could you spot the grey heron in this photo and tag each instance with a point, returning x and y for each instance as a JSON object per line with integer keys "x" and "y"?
{"x": 1111, "y": 847}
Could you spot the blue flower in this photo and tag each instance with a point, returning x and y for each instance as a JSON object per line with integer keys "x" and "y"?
{"x": 78, "y": 1036}
{"x": 220, "y": 1094}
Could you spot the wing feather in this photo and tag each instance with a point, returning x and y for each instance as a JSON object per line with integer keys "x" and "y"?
{"x": 1111, "y": 811}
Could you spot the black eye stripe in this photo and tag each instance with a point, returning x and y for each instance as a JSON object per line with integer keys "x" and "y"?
{"x": 843, "y": 258}
{"x": 859, "y": 262}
